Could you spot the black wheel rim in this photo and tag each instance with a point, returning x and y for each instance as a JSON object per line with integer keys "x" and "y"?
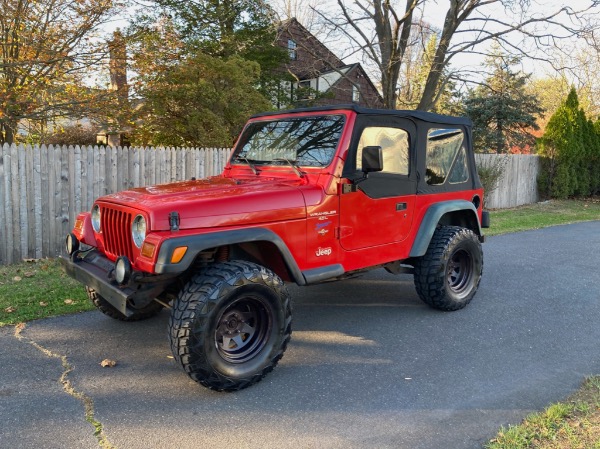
{"x": 459, "y": 271}
{"x": 243, "y": 329}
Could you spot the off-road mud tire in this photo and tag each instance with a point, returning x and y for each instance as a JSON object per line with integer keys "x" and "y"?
{"x": 448, "y": 275}
{"x": 107, "y": 309}
{"x": 230, "y": 325}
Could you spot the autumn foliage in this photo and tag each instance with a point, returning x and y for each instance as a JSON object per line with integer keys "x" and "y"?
{"x": 46, "y": 52}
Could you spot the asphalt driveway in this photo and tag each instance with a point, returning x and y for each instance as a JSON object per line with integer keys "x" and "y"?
{"x": 369, "y": 365}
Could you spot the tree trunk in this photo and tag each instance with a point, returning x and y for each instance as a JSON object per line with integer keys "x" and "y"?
{"x": 7, "y": 131}
{"x": 439, "y": 60}
{"x": 393, "y": 41}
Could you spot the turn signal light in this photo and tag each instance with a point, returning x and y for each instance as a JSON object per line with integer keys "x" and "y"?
{"x": 178, "y": 254}
{"x": 148, "y": 250}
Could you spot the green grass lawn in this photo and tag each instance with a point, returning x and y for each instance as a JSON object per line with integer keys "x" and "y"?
{"x": 38, "y": 289}
{"x": 541, "y": 215}
{"x": 572, "y": 424}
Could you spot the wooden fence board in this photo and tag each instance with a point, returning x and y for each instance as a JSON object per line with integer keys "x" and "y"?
{"x": 14, "y": 190}
{"x": 24, "y": 218}
{"x": 45, "y": 197}
{"x": 37, "y": 197}
{"x": 4, "y": 205}
{"x": 64, "y": 223}
{"x": 518, "y": 184}
{"x": 29, "y": 200}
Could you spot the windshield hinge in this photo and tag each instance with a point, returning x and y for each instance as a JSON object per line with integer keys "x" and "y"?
{"x": 174, "y": 221}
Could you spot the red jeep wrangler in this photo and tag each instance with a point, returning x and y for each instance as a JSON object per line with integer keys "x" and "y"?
{"x": 308, "y": 196}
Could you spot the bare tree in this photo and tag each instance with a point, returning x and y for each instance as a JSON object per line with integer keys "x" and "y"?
{"x": 304, "y": 11}
{"x": 382, "y": 31}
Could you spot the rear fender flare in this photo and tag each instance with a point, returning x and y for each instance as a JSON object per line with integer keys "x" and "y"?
{"x": 434, "y": 216}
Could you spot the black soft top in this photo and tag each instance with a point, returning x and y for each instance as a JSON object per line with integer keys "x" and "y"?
{"x": 420, "y": 115}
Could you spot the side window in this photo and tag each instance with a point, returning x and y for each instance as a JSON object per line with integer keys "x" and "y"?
{"x": 446, "y": 157}
{"x": 394, "y": 144}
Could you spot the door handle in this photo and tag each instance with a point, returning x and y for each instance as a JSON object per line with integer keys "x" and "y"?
{"x": 400, "y": 206}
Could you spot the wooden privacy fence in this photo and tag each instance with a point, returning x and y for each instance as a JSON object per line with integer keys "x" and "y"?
{"x": 518, "y": 184}
{"x": 42, "y": 188}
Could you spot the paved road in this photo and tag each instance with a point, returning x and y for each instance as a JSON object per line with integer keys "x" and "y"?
{"x": 369, "y": 365}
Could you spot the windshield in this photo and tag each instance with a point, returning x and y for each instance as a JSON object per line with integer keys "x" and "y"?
{"x": 305, "y": 141}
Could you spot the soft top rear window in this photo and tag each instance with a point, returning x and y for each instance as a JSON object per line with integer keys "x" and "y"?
{"x": 446, "y": 157}
{"x": 305, "y": 141}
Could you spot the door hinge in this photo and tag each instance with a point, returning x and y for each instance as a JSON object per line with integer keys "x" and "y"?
{"x": 348, "y": 188}
{"x": 342, "y": 231}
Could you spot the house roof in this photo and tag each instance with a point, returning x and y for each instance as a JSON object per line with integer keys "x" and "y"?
{"x": 351, "y": 68}
{"x": 322, "y": 58}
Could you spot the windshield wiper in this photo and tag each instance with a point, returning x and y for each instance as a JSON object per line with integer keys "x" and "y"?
{"x": 250, "y": 164}
{"x": 292, "y": 164}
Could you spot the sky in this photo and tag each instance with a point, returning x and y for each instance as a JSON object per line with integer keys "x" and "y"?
{"x": 434, "y": 13}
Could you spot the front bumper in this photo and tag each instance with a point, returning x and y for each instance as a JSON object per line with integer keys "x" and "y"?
{"x": 94, "y": 269}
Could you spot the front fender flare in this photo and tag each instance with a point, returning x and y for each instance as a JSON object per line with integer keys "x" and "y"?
{"x": 201, "y": 242}
{"x": 431, "y": 219}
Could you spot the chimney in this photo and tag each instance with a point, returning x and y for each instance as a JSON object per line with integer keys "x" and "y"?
{"x": 118, "y": 65}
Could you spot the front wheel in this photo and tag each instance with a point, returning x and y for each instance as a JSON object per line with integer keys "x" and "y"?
{"x": 448, "y": 275}
{"x": 230, "y": 325}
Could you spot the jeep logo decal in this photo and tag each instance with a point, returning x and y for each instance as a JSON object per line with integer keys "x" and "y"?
{"x": 323, "y": 252}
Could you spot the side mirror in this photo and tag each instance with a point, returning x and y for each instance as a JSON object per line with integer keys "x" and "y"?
{"x": 372, "y": 159}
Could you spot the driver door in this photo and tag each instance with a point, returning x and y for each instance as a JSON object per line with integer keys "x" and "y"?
{"x": 379, "y": 210}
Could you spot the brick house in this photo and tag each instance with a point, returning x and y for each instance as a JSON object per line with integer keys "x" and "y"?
{"x": 320, "y": 77}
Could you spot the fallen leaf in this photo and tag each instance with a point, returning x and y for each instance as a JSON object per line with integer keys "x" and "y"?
{"x": 69, "y": 302}
{"x": 108, "y": 363}
{"x": 29, "y": 274}
{"x": 17, "y": 278}
{"x": 170, "y": 357}
{"x": 10, "y": 309}
{"x": 43, "y": 304}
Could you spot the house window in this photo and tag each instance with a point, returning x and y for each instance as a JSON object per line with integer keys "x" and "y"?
{"x": 355, "y": 94}
{"x": 292, "y": 50}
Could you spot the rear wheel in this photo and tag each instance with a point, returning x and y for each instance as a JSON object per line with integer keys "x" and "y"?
{"x": 448, "y": 275}
{"x": 230, "y": 325}
{"x": 107, "y": 309}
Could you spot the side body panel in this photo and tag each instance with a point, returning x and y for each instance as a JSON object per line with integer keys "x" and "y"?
{"x": 392, "y": 251}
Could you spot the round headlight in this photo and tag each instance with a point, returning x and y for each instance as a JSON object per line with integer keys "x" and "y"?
{"x": 72, "y": 243}
{"x": 96, "y": 218}
{"x": 138, "y": 230}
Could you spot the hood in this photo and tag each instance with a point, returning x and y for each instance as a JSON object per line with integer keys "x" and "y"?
{"x": 216, "y": 201}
